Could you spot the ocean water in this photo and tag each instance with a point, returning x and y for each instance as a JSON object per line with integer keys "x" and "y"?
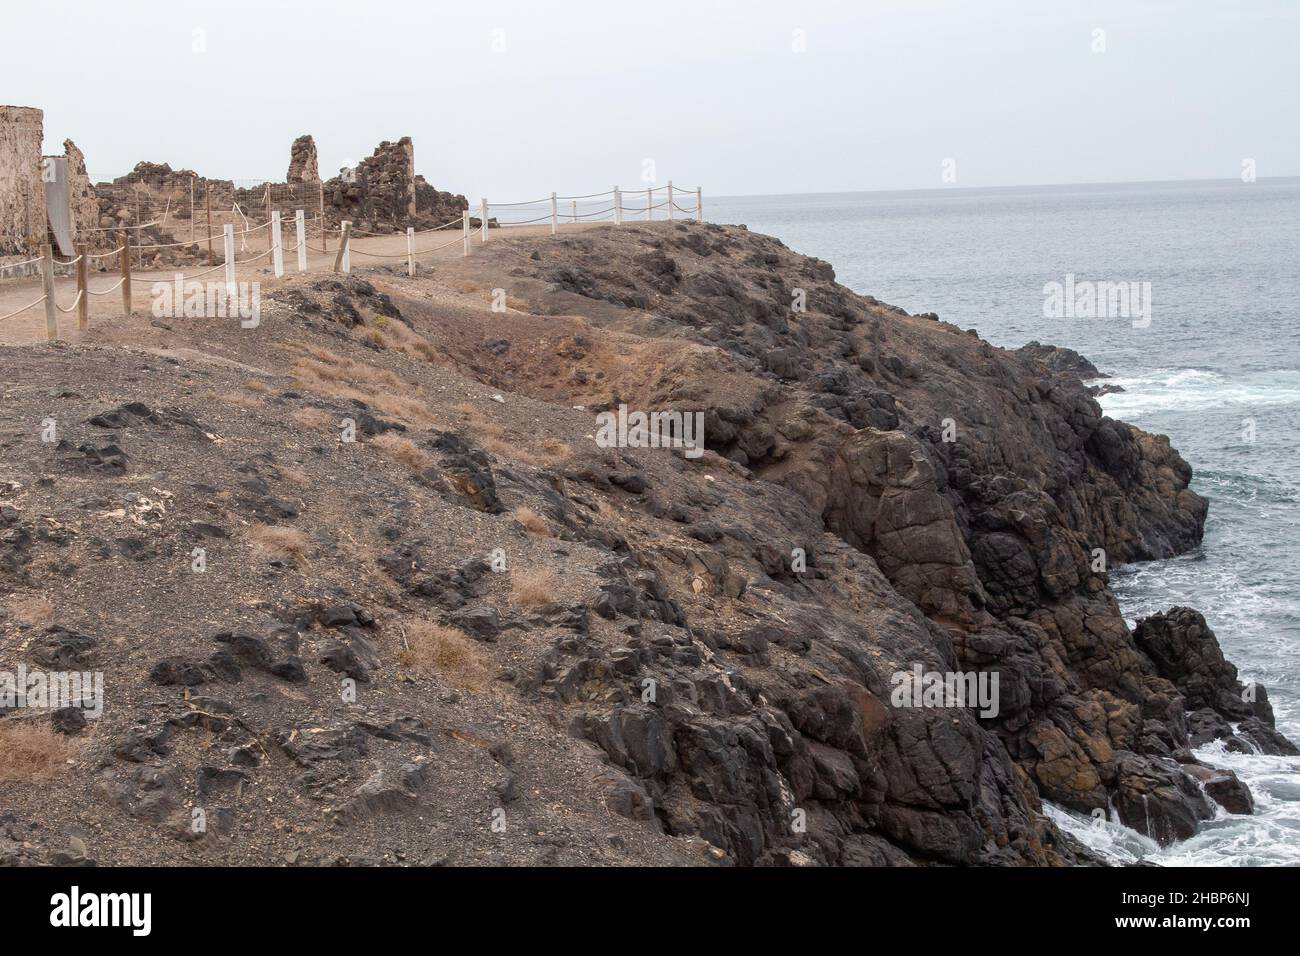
{"x": 1216, "y": 368}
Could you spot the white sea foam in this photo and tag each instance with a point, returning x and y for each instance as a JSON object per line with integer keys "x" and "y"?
{"x": 1271, "y": 837}
{"x": 1192, "y": 389}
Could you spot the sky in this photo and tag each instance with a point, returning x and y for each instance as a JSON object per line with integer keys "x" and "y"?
{"x": 512, "y": 100}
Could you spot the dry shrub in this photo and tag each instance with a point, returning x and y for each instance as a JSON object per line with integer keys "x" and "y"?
{"x": 31, "y": 753}
{"x": 398, "y": 336}
{"x": 278, "y": 543}
{"x": 533, "y": 522}
{"x": 556, "y": 449}
{"x": 519, "y": 305}
{"x": 434, "y": 648}
{"x": 257, "y": 385}
{"x": 314, "y": 418}
{"x": 465, "y": 285}
{"x": 533, "y": 588}
{"x": 403, "y": 451}
{"x": 242, "y": 401}
{"x": 294, "y": 476}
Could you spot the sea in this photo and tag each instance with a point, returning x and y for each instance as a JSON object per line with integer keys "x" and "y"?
{"x": 1208, "y": 354}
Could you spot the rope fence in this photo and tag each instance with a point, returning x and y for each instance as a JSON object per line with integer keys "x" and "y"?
{"x": 609, "y": 206}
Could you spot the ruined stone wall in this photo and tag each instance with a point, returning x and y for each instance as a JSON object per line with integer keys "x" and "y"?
{"x": 383, "y": 192}
{"x": 22, "y": 191}
{"x": 82, "y": 199}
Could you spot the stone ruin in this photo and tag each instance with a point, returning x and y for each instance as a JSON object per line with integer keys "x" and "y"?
{"x": 23, "y": 224}
{"x": 384, "y": 193}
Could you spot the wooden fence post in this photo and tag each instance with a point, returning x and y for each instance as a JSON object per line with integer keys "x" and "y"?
{"x": 464, "y": 221}
{"x": 324, "y": 235}
{"x": 228, "y": 231}
{"x": 83, "y": 290}
{"x": 699, "y": 203}
{"x": 300, "y": 225}
{"x": 47, "y": 281}
{"x": 618, "y": 206}
{"x": 482, "y": 215}
{"x": 555, "y": 215}
{"x": 410, "y": 256}
{"x": 341, "y": 257}
{"x": 277, "y": 245}
{"x": 670, "y": 200}
{"x": 126, "y": 273}
{"x": 207, "y": 196}
{"x": 650, "y": 202}
{"x": 575, "y": 210}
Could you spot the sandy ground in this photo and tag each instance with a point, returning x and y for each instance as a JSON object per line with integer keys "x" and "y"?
{"x": 105, "y": 306}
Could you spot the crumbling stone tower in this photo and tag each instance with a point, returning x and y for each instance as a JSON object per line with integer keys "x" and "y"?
{"x": 303, "y": 167}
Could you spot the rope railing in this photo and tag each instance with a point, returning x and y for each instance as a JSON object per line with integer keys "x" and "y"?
{"x": 81, "y": 293}
{"x": 151, "y": 280}
{"x": 113, "y": 288}
{"x": 23, "y": 309}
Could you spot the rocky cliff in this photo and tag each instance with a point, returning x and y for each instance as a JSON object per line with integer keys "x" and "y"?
{"x": 653, "y": 657}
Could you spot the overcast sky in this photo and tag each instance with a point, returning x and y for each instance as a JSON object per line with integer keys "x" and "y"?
{"x": 515, "y": 99}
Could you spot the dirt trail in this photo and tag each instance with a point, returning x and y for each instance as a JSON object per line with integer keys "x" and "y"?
{"x": 368, "y": 254}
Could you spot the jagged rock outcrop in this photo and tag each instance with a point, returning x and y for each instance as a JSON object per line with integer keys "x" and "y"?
{"x": 1184, "y": 651}
{"x": 986, "y": 485}
{"x": 83, "y": 203}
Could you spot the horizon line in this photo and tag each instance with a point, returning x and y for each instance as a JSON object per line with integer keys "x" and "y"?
{"x": 957, "y": 188}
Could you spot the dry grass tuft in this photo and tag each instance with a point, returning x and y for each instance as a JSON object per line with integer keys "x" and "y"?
{"x": 294, "y": 476}
{"x": 257, "y": 385}
{"x": 503, "y": 448}
{"x": 315, "y": 418}
{"x": 403, "y": 451}
{"x": 533, "y": 522}
{"x": 31, "y": 753}
{"x": 556, "y": 450}
{"x": 533, "y": 588}
{"x": 398, "y": 336}
{"x": 434, "y": 648}
{"x": 465, "y": 285}
{"x": 478, "y": 425}
{"x": 239, "y": 400}
{"x": 328, "y": 373}
{"x": 278, "y": 543}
